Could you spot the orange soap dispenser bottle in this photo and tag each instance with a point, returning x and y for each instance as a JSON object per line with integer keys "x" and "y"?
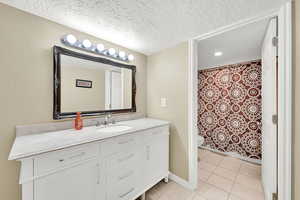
{"x": 78, "y": 124}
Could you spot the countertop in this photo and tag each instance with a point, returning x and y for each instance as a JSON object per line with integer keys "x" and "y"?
{"x": 30, "y": 145}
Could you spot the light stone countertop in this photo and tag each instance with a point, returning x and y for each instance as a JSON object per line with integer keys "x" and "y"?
{"x": 30, "y": 145}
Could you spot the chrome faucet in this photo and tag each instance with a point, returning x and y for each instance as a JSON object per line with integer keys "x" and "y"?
{"x": 107, "y": 119}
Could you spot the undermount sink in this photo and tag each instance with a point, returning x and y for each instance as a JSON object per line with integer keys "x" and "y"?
{"x": 113, "y": 129}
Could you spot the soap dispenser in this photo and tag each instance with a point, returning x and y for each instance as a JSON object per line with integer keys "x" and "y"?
{"x": 78, "y": 124}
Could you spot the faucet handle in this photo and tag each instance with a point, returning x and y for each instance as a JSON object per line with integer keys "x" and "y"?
{"x": 97, "y": 122}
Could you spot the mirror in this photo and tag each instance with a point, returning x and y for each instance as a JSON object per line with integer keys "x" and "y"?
{"x": 91, "y": 85}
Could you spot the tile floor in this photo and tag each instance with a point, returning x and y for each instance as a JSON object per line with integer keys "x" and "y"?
{"x": 219, "y": 178}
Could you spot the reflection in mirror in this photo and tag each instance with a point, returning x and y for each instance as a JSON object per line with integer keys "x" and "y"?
{"x": 93, "y": 86}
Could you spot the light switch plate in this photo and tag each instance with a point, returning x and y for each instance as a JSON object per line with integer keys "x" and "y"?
{"x": 163, "y": 102}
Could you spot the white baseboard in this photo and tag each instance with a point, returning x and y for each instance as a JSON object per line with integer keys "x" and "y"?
{"x": 180, "y": 181}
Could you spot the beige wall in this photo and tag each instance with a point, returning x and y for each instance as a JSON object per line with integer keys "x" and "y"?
{"x": 296, "y": 117}
{"x": 75, "y": 99}
{"x": 167, "y": 73}
{"x": 26, "y": 81}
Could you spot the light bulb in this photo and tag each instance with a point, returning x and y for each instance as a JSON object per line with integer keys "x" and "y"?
{"x": 86, "y": 43}
{"x": 71, "y": 39}
{"x": 111, "y": 51}
{"x": 130, "y": 57}
{"x": 122, "y": 54}
{"x": 218, "y": 53}
{"x": 100, "y": 47}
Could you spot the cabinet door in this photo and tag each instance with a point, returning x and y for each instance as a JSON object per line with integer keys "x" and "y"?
{"x": 157, "y": 156}
{"x": 80, "y": 182}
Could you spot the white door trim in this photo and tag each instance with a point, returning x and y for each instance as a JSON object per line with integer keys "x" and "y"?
{"x": 285, "y": 102}
{"x": 192, "y": 114}
{"x": 284, "y": 92}
{"x": 269, "y": 109}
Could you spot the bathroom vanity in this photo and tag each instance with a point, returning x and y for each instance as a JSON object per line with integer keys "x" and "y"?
{"x": 117, "y": 162}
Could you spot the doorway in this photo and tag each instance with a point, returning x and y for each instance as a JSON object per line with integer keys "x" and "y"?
{"x": 284, "y": 111}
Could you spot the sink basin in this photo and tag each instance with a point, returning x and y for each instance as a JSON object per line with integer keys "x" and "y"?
{"x": 114, "y": 129}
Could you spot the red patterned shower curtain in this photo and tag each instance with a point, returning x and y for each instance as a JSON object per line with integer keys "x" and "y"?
{"x": 229, "y": 111}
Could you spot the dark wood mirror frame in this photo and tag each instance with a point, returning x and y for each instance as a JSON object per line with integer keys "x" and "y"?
{"x": 57, "y": 114}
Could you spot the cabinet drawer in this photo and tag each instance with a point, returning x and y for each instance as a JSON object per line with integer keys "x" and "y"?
{"x": 62, "y": 158}
{"x": 123, "y": 192}
{"x": 122, "y": 161}
{"x": 123, "y": 186}
{"x": 123, "y": 176}
{"x": 157, "y": 131}
{"x": 118, "y": 144}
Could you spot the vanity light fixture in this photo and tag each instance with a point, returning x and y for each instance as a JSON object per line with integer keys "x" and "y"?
{"x": 100, "y": 47}
{"x": 122, "y": 54}
{"x": 112, "y": 51}
{"x": 130, "y": 57}
{"x": 71, "y": 39}
{"x": 86, "y": 45}
{"x": 218, "y": 53}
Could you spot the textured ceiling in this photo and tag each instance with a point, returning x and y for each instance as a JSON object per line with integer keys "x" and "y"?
{"x": 146, "y": 26}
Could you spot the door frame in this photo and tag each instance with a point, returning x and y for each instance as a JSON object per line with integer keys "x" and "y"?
{"x": 284, "y": 96}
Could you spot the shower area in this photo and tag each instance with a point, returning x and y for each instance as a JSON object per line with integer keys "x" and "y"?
{"x": 229, "y": 109}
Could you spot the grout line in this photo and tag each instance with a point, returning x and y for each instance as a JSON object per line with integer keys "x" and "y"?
{"x": 226, "y": 177}
{"x": 233, "y": 181}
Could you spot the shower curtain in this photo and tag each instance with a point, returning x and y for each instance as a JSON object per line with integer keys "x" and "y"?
{"x": 229, "y": 108}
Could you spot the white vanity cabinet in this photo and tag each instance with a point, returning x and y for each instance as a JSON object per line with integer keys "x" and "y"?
{"x": 122, "y": 167}
{"x": 156, "y": 161}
